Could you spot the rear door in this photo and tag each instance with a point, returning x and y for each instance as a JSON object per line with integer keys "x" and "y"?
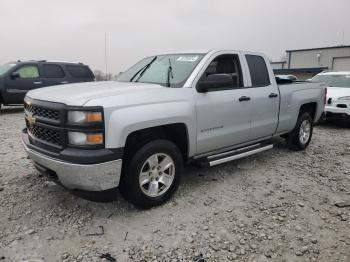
{"x": 28, "y": 78}
{"x": 265, "y": 98}
{"x": 223, "y": 115}
{"x": 53, "y": 74}
{"x": 79, "y": 73}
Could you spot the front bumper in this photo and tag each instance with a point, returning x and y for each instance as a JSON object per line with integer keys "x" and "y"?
{"x": 86, "y": 177}
{"x": 337, "y": 112}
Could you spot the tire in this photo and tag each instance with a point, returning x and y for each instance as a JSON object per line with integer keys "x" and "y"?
{"x": 152, "y": 175}
{"x": 300, "y": 137}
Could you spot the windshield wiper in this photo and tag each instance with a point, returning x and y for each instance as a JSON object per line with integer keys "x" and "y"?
{"x": 142, "y": 70}
{"x": 170, "y": 74}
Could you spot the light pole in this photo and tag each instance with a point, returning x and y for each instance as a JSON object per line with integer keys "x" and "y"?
{"x": 106, "y": 61}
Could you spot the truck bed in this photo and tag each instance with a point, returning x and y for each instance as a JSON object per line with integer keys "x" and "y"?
{"x": 293, "y": 95}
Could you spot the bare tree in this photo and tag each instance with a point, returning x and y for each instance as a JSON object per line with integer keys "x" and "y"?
{"x": 100, "y": 76}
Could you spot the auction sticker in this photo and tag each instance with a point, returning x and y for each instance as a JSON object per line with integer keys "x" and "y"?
{"x": 187, "y": 58}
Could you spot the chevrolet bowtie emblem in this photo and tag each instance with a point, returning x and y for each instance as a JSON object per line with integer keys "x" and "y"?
{"x": 31, "y": 120}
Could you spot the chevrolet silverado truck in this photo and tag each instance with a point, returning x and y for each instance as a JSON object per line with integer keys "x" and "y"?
{"x": 136, "y": 133}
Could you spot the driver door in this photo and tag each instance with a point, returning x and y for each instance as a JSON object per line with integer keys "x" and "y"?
{"x": 224, "y": 113}
{"x": 23, "y": 79}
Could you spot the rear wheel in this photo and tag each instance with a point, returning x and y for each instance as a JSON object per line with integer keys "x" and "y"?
{"x": 300, "y": 137}
{"x": 153, "y": 173}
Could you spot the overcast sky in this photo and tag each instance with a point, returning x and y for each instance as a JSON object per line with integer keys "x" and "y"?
{"x": 74, "y": 30}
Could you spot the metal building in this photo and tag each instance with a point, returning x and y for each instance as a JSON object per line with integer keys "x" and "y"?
{"x": 305, "y": 63}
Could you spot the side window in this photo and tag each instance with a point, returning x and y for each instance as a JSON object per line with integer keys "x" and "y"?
{"x": 28, "y": 71}
{"x": 226, "y": 64}
{"x": 258, "y": 71}
{"x": 53, "y": 71}
{"x": 79, "y": 71}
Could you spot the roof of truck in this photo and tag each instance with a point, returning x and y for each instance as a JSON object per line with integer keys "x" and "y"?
{"x": 203, "y": 51}
{"x": 200, "y": 51}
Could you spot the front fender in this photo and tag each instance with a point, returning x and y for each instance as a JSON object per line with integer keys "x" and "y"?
{"x": 124, "y": 121}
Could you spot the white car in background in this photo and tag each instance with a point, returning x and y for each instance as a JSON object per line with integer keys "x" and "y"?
{"x": 338, "y": 94}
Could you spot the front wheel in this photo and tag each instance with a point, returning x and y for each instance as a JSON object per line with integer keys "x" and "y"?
{"x": 153, "y": 173}
{"x": 300, "y": 137}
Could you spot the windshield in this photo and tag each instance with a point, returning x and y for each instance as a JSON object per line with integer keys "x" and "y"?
{"x": 333, "y": 80}
{"x": 6, "y": 67}
{"x": 167, "y": 70}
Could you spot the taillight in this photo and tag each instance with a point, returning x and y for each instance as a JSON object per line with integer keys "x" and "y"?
{"x": 325, "y": 96}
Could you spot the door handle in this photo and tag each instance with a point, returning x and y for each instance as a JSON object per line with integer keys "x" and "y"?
{"x": 64, "y": 82}
{"x": 272, "y": 95}
{"x": 37, "y": 83}
{"x": 244, "y": 98}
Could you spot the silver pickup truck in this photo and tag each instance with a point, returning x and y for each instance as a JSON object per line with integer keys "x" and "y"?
{"x": 136, "y": 133}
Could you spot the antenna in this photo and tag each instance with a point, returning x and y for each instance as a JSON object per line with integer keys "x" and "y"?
{"x": 343, "y": 37}
{"x": 106, "y": 66}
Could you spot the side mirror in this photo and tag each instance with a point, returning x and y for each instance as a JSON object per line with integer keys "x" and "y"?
{"x": 15, "y": 75}
{"x": 214, "y": 81}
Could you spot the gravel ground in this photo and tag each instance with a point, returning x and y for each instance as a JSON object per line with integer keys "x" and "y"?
{"x": 275, "y": 206}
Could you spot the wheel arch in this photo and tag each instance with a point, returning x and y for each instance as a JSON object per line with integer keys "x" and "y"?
{"x": 175, "y": 132}
{"x": 310, "y": 108}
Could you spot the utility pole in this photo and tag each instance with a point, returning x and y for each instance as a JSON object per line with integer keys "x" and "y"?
{"x": 106, "y": 61}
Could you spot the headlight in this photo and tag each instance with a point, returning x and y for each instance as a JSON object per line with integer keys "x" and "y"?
{"x": 83, "y": 139}
{"x": 344, "y": 98}
{"x": 84, "y": 117}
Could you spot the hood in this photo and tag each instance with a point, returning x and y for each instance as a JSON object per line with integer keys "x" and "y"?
{"x": 336, "y": 92}
{"x": 80, "y": 93}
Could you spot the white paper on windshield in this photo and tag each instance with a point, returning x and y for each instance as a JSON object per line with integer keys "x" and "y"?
{"x": 187, "y": 59}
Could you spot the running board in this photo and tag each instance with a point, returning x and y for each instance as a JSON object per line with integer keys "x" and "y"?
{"x": 217, "y": 159}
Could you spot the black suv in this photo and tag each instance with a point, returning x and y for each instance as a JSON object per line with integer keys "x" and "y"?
{"x": 17, "y": 78}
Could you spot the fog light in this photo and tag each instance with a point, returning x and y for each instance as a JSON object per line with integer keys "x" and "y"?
{"x": 81, "y": 139}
